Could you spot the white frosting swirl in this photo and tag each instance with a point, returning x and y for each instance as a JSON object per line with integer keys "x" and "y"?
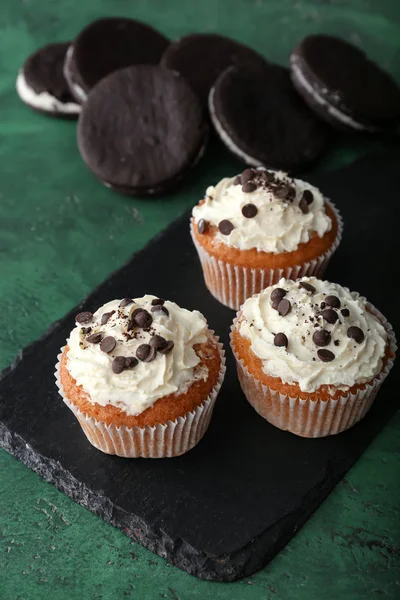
{"x": 353, "y": 363}
{"x": 279, "y": 225}
{"x": 136, "y": 389}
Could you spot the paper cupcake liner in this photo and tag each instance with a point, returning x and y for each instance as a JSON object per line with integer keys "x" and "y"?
{"x": 159, "y": 441}
{"x": 232, "y": 285}
{"x": 314, "y": 418}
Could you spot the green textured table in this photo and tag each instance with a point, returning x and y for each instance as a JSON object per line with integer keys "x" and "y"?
{"x": 61, "y": 233}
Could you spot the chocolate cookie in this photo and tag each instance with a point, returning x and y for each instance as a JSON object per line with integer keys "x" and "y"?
{"x": 202, "y": 57}
{"x": 260, "y": 118}
{"x": 141, "y": 129}
{"x": 343, "y": 86}
{"x": 107, "y": 45}
{"x": 41, "y": 83}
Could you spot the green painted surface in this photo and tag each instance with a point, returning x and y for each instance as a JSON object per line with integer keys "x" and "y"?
{"x": 61, "y": 233}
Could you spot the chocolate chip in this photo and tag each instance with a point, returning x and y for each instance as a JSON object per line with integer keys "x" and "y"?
{"x": 95, "y": 338}
{"x": 246, "y": 176}
{"x": 158, "y": 342}
{"x": 275, "y": 303}
{"x": 280, "y": 339}
{"x": 167, "y": 349}
{"x": 336, "y": 342}
{"x": 278, "y": 293}
{"x": 345, "y": 312}
{"x": 303, "y": 206}
{"x": 332, "y": 301}
{"x": 307, "y": 286}
{"x": 330, "y": 315}
{"x": 108, "y": 344}
{"x": 281, "y": 191}
{"x": 160, "y": 309}
{"x": 118, "y": 364}
{"x": 105, "y": 317}
{"x": 157, "y": 301}
{"x": 225, "y": 227}
{"x": 86, "y": 330}
{"x": 291, "y": 193}
{"x": 249, "y": 211}
{"x": 321, "y": 337}
{"x": 145, "y": 353}
{"x": 322, "y": 305}
{"x": 308, "y": 196}
{"x": 125, "y": 302}
{"x": 142, "y": 318}
{"x": 249, "y": 187}
{"x": 284, "y": 307}
{"x": 325, "y": 355}
{"x": 130, "y": 362}
{"x": 84, "y": 317}
{"x": 202, "y": 226}
{"x": 356, "y": 334}
{"x": 237, "y": 180}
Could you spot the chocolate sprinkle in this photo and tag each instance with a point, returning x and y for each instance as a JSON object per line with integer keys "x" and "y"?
{"x": 105, "y": 317}
{"x": 249, "y": 211}
{"x": 284, "y": 307}
{"x": 142, "y": 318}
{"x": 332, "y": 301}
{"x": 280, "y": 339}
{"x": 167, "y": 349}
{"x": 329, "y": 315}
{"x": 246, "y": 176}
{"x": 108, "y": 344}
{"x": 325, "y": 355}
{"x": 345, "y": 312}
{"x": 157, "y": 301}
{"x": 84, "y": 317}
{"x": 225, "y": 227}
{"x": 158, "y": 342}
{"x": 145, "y": 353}
{"x": 249, "y": 187}
{"x": 118, "y": 364}
{"x": 125, "y": 302}
{"x": 303, "y": 206}
{"x": 321, "y": 337}
{"x": 160, "y": 309}
{"x": 95, "y": 338}
{"x": 307, "y": 286}
{"x": 202, "y": 226}
{"x": 278, "y": 293}
{"x": 356, "y": 334}
{"x": 308, "y": 196}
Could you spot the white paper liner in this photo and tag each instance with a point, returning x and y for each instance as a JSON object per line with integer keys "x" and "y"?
{"x": 232, "y": 285}
{"x": 159, "y": 441}
{"x": 314, "y": 418}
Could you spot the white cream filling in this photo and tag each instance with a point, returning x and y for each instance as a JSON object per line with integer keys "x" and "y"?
{"x": 336, "y": 113}
{"x": 43, "y": 101}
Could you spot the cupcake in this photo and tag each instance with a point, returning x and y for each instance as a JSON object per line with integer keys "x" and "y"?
{"x": 141, "y": 376}
{"x": 311, "y": 355}
{"x": 254, "y": 229}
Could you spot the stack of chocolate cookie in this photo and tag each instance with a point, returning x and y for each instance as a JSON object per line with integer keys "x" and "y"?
{"x": 144, "y": 103}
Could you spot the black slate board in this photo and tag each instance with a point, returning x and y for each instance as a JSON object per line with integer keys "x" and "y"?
{"x": 227, "y": 507}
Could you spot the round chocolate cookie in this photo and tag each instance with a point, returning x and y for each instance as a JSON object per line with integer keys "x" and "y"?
{"x": 202, "y": 57}
{"x": 343, "y": 86}
{"x": 107, "y": 45}
{"x": 141, "y": 129}
{"x": 41, "y": 83}
{"x": 262, "y": 120}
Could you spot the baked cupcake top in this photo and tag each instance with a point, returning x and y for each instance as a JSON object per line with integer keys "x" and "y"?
{"x": 132, "y": 352}
{"x": 263, "y": 209}
{"x": 314, "y": 333}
